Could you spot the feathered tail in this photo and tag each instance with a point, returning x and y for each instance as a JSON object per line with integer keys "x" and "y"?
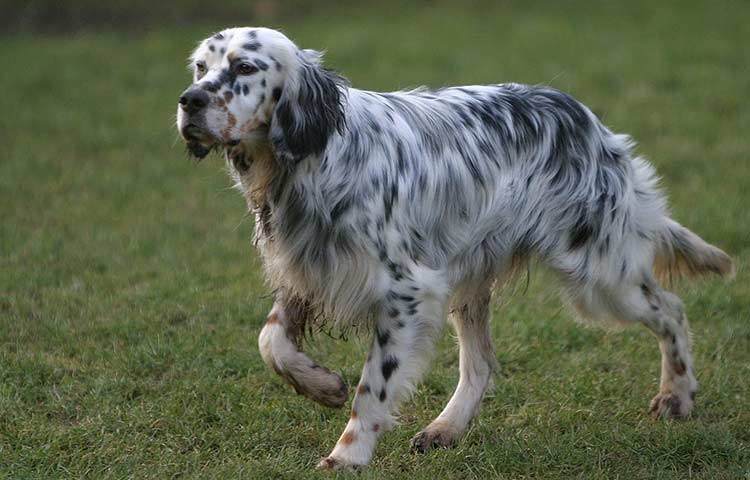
{"x": 682, "y": 253}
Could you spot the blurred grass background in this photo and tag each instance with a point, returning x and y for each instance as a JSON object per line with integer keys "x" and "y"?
{"x": 130, "y": 298}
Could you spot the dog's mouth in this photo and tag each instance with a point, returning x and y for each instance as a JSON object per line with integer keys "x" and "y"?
{"x": 199, "y": 141}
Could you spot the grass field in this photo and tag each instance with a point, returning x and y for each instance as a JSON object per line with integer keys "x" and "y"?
{"x": 130, "y": 301}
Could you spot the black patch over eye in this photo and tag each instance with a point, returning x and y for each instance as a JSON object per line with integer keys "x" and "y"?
{"x": 245, "y": 69}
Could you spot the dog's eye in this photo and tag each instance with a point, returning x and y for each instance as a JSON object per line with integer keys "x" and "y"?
{"x": 246, "y": 69}
{"x": 200, "y": 67}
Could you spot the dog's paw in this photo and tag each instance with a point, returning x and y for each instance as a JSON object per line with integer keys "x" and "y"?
{"x": 432, "y": 437}
{"x": 320, "y": 385}
{"x": 671, "y": 405}
{"x": 332, "y": 464}
{"x": 332, "y": 391}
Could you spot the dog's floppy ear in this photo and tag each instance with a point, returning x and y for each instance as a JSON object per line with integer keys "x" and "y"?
{"x": 309, "y": 110}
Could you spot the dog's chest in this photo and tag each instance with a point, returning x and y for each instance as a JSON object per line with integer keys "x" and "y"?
{"x": 239, "y": 162}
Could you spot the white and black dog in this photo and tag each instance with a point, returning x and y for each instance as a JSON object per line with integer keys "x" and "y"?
{"x": 394, "y": 210}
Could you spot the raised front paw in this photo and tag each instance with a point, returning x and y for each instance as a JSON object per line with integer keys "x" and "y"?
{"x": 671, "y": 405}
{"x": 319, "y": 384}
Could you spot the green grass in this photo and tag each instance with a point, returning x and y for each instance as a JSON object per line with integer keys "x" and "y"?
{"x": 130, "y": 301}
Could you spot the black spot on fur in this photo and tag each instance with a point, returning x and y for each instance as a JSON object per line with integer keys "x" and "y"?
{"x": 382, "y": 395}
{"x": 339, "y": 207}
{"x": 263, "y": 83}
{"x": 391, "y": 195}
{"x": 383, "y": 337}
{"x": 212, "y": 87}
{"x": 223, "y": 50}
{"x": 390, "y": 364}
{"x": 400, "y": 157}
{"x": 252, "y": 46}
{"x": 581, "y": 233}
{"x": 219, "y": 36}
{"x": 212, "y": 48}
{"x": 261, "y": 64}
{"x": 276, "y": 94}
{"x": 604, "y": 246}
{"x": 245, "y": 90}
{"x": 226, "y": 77}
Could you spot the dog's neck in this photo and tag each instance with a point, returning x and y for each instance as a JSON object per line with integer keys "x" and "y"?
{"x": 254, "y": 168}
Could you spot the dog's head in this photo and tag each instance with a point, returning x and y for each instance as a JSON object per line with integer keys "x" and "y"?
{"x": 253, "y": 86}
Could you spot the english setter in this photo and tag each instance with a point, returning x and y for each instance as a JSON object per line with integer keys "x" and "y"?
{"x": 399, "y": 210}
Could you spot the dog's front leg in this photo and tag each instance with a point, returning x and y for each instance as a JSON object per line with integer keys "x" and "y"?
{"x": 404, "y": 341}
{"x": 280, "y": 346}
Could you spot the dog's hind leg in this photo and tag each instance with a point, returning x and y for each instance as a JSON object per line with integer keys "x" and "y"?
{"x": 644, "y": 301}
{"x": 678, "y": 383}
{"x": 280, "y": 346}
{"x": 476, "y": 365}
{"x": 408, "y": 323}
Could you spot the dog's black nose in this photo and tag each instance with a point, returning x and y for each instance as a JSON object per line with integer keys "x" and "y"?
{"x": 194, "y": 99}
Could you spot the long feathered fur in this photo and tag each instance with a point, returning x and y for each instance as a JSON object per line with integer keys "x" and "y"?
{"x": 353, "y": 190}
{"x": 464, "y": 180}
{"x": 389, "y": 210}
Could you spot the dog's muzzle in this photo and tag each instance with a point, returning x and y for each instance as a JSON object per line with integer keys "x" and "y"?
{"x": 193, "y": 102}
{"x": 199, "y": 142}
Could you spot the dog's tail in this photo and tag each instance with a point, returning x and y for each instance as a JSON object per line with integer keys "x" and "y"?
{"x": 682, "y": 253}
